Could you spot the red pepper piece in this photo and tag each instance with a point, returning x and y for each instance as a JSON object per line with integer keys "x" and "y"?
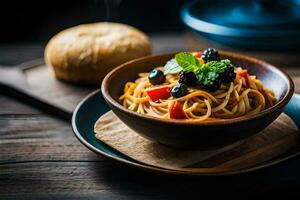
{"x": 198, "y": 54}
{"x": 176, "y": 111}
{"x": 159, "y": 93}
{"x": 245, "y": 75}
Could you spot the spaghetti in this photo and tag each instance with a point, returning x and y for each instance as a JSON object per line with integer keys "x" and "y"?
{"x": 245, "y": 95}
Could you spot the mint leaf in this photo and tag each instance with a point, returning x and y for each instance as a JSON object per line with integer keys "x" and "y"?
{"x": 172, "y": 67}
{"x": 209, "y": 72}
{"x": 217, "y": 66}
{"x": 187, "y": 61}
{"x": 205, "y": 76}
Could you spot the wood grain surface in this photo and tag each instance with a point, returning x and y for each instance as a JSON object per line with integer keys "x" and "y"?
{"x": 41, "y": 159}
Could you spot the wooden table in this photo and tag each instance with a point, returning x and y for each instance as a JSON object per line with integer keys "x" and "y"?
{"x": 40, "y": 157}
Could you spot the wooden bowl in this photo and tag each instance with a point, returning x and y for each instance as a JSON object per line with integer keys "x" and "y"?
{"x": 189, "y": 134}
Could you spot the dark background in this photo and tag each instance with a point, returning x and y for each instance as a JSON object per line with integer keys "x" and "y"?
{"x": 38, "y": 21}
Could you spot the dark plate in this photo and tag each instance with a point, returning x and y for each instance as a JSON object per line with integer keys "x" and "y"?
{"x": 93, "y": 106}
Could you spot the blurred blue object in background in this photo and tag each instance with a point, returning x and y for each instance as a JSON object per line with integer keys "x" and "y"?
{"x": 256, "y": 24}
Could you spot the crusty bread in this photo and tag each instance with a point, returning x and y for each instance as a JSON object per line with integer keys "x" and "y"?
{"x": 86, "y": 53}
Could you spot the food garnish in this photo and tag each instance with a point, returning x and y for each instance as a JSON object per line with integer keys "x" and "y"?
{"x": 159, "y": 93}
{"x": 210, "y": 75}
{"x": 210, "y": 54}
{"x": 156, "y": 77}
{"x": 179, "y": 90}
{"x": 176, "y": 111}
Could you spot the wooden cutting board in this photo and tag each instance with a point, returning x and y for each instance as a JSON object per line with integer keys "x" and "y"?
{"x": 41, "y": 81}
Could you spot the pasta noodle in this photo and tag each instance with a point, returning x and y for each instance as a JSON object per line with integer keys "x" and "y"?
{"x": 238, "y": 98}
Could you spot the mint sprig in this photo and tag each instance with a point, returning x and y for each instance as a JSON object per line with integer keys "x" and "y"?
{"x": 172, "y": 67}
{"x": 210, "y": 71}
{"x": 182, "y": 61}
{"x": 187, "y": 61}
{"x": 217, "y": 66}
{"x": 206, "y": 73}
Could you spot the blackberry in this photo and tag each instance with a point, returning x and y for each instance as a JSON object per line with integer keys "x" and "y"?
{"x": 228, "y": 75}
{"x": 215, "y": 86}
{"x": 188, "y": 78}
{"x": 179, "y": 90}
{"x": 156, "y": 77}
{"x": 210, "y": 54}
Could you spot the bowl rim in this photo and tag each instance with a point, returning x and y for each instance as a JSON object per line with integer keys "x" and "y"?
{"x": 280, "y": 104}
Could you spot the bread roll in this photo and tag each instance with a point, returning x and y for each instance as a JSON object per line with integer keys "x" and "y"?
{"x": 86, "y": 53}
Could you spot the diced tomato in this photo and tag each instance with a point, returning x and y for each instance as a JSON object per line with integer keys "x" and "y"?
{"x": 176, "y": 111}
{"x": 198, "y": 54}
{"x": 245, "y": 75}
{"x": 159, "y": 93}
